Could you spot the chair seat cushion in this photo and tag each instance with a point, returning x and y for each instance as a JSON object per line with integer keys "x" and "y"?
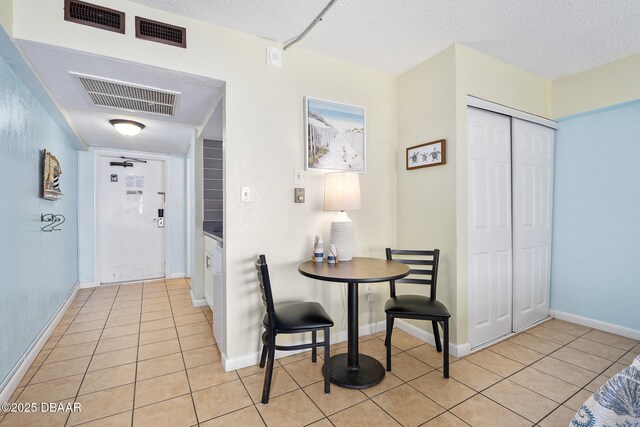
{"x": 293, "y": 316}
{"x": 416, "y": 305}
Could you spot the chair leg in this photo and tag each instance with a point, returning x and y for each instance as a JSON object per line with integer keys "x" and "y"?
{"x": 263, "y": 356}
{"x": 269, "y": 373}
{"x": 314, "y": 340}
{"x": 327, "y": 357}
{"x": 445, "y": 330}
{"x": 387, "y": 341}
{"x": 436, "y": 335}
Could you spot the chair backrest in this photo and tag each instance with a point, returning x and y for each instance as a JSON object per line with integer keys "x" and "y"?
{"x": 265, "y": 287}
{"x": 426, "y": 272}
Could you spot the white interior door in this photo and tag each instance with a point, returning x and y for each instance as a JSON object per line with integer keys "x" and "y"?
{"x": 132, "y": 241}
{"x": 489, "y": 228}
{"x": 533, "y": 152}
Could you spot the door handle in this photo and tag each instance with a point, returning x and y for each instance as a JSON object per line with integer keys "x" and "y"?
{"x": 208, "y": 261}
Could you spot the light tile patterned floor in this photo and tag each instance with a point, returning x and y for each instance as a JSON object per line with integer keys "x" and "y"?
{"x": 140, "y": 355}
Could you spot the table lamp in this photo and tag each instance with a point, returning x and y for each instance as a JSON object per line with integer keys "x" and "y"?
{"x": 342, "y": 193}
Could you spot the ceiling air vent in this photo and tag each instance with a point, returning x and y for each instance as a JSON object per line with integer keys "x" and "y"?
{"x": 94, "y": 15}
{"x": 129, "y": 96}
{"x": 160, "y": 32}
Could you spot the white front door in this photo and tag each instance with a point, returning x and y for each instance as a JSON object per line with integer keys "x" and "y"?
{"x": 132, "y": 243}
{"x": 533, "y": 148}
{"x": 489, "y": 228}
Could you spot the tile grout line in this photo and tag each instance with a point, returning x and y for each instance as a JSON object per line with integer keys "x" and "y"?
{"x": 135, "y": 375}
{"x": 186, "y": 373}
{"x": 92, "y": 354}
{"x": 40, "y": 366}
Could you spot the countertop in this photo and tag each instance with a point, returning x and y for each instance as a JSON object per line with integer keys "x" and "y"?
{"x": 216, "y": 235}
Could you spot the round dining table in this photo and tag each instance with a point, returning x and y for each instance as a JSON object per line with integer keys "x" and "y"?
{"x": 352, "y": 369}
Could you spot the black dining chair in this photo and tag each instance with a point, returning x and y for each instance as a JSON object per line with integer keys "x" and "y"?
{"x": 290, "y": 318}
{"x": 423, "y": 271}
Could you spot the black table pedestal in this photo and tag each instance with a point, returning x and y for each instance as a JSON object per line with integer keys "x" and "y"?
{"x": 354, "y": 370}
{"x": 369, "y": 372}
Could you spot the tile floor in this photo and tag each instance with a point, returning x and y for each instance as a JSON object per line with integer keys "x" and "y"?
{"x": 140, "y": 355}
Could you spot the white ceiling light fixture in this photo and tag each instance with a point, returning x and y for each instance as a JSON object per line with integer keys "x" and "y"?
{"x": 127, "y": 127}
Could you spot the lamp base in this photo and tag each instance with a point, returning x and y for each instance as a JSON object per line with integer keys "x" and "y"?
{"x": 343, "y": 237}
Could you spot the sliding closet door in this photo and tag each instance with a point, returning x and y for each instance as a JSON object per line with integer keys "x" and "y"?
{"x": 489, "y": 230}
{"x": 533, "y": 147}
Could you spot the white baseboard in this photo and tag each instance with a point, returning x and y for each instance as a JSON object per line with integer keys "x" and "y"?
{"x": 10, "y": 383}
{"x": 457, "y": 350}
{"x": 176, "y": 275}
{"x": 197, "y": 302}
{"x": 251, "y": 359}
{"x": 597, "y": 324}
{"x": 86, "y": 285}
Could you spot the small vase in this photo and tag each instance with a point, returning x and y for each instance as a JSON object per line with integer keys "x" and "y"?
{"x": 318, "y": 249}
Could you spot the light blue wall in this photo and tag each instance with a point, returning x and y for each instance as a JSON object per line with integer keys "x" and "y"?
{"x": 39, "y": 270}
{"x": 86, "y": 215}
{"x": 596, "y": 239}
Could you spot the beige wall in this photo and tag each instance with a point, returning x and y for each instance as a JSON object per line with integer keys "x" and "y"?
{"x": 427, "y": 196}
{"x": 263, "y": 145}
{"x": 6, "y": 15}
{"x": 609, "y": 84}
{"x": 432, "y": 104}
{"x": 485, "y": 77}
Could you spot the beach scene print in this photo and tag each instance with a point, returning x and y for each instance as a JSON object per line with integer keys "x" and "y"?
{"x": 335, "y": 136}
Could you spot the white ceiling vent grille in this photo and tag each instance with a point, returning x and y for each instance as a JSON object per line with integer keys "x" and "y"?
{"x": 129, "y": 96}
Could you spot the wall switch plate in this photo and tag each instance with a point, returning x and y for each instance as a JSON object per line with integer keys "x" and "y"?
{"x": 298, "y": 195}
{"x": 245, "y": 194}
{"x": 368, "y": 289}
{"x": 298, "y": 178}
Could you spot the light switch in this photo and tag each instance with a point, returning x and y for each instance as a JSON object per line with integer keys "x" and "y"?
{"x": 298, "y": 179}
{"x": 298, "y": 195}
{"x": 245, "y": 194}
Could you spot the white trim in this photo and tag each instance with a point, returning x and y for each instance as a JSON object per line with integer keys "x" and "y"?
{"x": 457, "y": 350}
{"x": 483, "y": 104}
{"x": 11, "y": 382}
{"x": 252, "y": 359}
{"x": 96, "y": 203}
{"x": 597, "y": 324}
{"x": 197, "y": 302}
{"x": 176, "y": 276}
{"x": 88, "y": 285}
{"x": 187, "y": 204}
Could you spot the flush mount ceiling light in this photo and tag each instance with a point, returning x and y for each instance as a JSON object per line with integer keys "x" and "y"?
{"x": 127, "y": 127}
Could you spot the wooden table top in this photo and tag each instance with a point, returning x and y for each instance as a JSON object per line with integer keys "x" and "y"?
{"x": 358, "y": 270}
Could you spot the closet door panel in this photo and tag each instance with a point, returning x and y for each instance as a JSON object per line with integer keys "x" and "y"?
{"x": 533, "y": 148}
{"x": 489, "y": 226}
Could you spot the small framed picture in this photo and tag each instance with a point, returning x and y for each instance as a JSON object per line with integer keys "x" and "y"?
{"x": 425, "y": 155}
{"x": 335, "y": 136}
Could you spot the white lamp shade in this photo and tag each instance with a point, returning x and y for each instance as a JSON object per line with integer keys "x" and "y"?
{"x": 341, "y": 191}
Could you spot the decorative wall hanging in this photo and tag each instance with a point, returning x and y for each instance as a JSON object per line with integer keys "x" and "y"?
{"x": 425, "y": 155}
{"x": 51, "y": 171}
{"x": 335, "y": 136}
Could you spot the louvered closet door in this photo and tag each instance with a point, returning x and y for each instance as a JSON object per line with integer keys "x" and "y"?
{"x": 489, "y": 228}
{"x": 533, "y": 148}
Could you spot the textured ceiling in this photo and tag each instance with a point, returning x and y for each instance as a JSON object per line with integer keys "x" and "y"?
{"x": 550, "y": 38}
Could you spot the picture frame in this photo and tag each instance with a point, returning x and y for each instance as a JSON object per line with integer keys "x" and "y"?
{"x": 425, "y": 155}
{"x": 50, "y": 171}
{"x": 335, "y": 136}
